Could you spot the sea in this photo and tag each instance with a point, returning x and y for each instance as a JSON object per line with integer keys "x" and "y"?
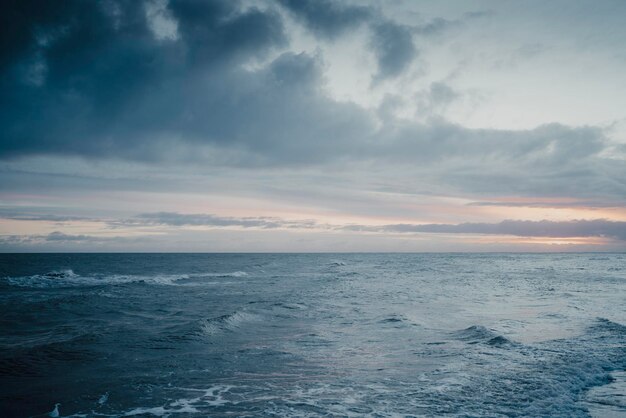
{"x": 313, "y": 335}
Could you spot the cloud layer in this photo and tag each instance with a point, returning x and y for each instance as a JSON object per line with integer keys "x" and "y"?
{"x": 103, "y": 82}
{"x": 284, "y": 98}
{"x": 550, "y": 229}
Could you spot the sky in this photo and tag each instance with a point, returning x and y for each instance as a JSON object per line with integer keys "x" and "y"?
{"x": 312, "y": 125}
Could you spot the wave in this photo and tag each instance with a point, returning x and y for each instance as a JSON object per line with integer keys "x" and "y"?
{"x": 67, "y": 278}
{"x": 609, "y": 399}
{"x": 478, "y": 334}
{"x": 394, "y": 320}
{"x": 291, "y": 306}
{"x": 50, "y": 279}
{"x": 605, "y": 328}
{"x": 551, "y": 378}
{"x": 226, "y": 323}
{"x": 555, "y": 376}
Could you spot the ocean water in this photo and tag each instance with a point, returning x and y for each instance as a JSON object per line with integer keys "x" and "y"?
{"x": 383, "y": 335}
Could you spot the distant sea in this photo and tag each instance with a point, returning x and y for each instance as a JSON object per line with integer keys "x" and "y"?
{"x": 382, "y": 335}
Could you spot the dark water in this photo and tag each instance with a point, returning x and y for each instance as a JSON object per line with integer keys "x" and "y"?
{"x": 313, "y": 335}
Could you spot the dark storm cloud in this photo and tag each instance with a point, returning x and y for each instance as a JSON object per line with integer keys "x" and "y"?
{"x": 326, "y": 18}
{"x": 93, "y": 80}
{"x": 394, "y": 48}
{"x": 214, "y": 30}
{"x": 391, "y": 42}
{"x": 108, "y": 88}
{"x": 103, "y": 78}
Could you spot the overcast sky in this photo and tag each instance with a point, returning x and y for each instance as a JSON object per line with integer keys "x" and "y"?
{"x": 312, "y": 125}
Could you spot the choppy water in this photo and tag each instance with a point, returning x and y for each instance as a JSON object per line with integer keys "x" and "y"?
{"x": 313, "y": 335}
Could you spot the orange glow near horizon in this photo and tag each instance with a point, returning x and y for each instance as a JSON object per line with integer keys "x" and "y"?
{"x": 553, "y": 209}
{"x": 511, "y": 239}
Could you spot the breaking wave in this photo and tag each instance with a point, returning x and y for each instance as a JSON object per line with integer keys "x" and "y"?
{"x": 67, "y": 278}
{"x": 477, "y": 334}
{"x": 226, "y": 323}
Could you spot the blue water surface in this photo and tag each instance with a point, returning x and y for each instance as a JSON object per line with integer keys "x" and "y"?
{"x": 476, "y": 335}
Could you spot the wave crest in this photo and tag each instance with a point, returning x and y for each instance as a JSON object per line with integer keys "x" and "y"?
{"x": 67, "y": 278}
{"x": 478, "y": 334}
{"x": 226, "y": 323}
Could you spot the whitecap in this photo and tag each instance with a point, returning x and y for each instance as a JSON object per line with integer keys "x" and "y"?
{"x": 211, "y": 397}
{"x": 103, "y": 399}
{"x": 226, "y": 323}
{"x": 67, "y": 278}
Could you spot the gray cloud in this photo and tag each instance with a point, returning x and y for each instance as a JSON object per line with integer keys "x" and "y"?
{"x": 551, "y": 229}
{"x": 94, "y": 81}
{"x": 200, "y": 219}
{"x": 326, "y": 18}
{"x": 436, "y": 98}
{"x": 392, "y": 43}
{"x": 550, "y": 160}
{"x": 21, "y": 215}
{"x": 111, "y": 89}
{"x": 260, "y": 231}
{"x": 59, "y": 241}
{"x": 106, "y": 79}
{"x": 589, "y": 204}
{"x": 394, "y": 48}
{"x": 57, "y": 237}
{"x": 438, "y": 25}
{"x": 60, "y": 236}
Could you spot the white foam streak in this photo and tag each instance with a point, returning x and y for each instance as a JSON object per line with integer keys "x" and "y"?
{"x": 211, "y": 397}
{"x": 67, "y": 278}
